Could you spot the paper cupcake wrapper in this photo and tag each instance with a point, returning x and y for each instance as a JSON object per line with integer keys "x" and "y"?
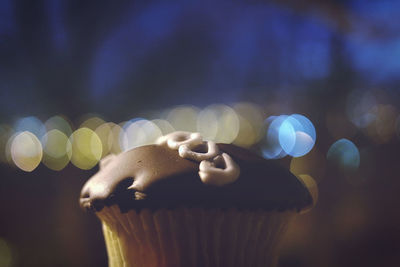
{"x": 193, "y": 237}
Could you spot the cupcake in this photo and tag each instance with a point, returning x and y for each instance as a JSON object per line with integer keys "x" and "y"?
{"x": 189, "y": 202}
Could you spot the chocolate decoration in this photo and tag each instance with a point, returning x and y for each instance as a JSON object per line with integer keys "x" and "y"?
{"x": 155, "y": 176}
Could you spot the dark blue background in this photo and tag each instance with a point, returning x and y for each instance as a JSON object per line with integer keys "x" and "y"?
{"x": 118, "y": 58}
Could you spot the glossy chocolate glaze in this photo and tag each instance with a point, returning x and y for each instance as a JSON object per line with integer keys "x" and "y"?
{"x": 155, "y": 176}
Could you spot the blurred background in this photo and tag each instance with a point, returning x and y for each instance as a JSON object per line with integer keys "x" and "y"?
{"x": 311, "y": 84}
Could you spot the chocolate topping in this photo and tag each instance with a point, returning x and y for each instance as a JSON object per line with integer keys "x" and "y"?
{"x": 155, "y": 176}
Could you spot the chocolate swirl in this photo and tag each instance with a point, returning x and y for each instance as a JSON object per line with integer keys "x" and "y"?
{"x": 215, "y": 168}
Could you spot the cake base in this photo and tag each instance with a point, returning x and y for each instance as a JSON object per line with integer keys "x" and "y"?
{"x": 193, "y": 237}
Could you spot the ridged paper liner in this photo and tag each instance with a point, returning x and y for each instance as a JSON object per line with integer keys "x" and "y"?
{"x": 192, "y": 237}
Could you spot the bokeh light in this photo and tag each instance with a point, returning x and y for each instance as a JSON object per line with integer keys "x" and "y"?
{"x": 304, "y": 143}
{"x": 297, "y": 135}
{"x": 218, "y": 123}
{"x": 6, "y": 255}
{"x": 26, "y": 151}
{"x": 270, "y": 146}
{"x": 247, "y": 135}
{"x": 6, "y": 132}
{"x": 126, "y": 124}
{"x": 183, "y": 118}
{"x": 104, "y": 132}
{"x": 293, "y": 135}
{"x": 116, "y": 133}
{"x": 57, "y": 150}
{"x": 7, "y": 151}
{"x": 250, "y": 121}
{"x": 139, "y": 132}
{"x": 30, "y": 124}
{"x": 375, "y": 118}
{"x": 86, "y": 148}
{"x": 60, "y": 123}
{"x": 207, "y": 123}
{"x": 164, "y": 126}
{"x": 91, "y": 121}
{"x": 111, "y": 135}
{"x": 344, "y": 155}
{"x": 228, "y": 124}
{"x": 359, "y": 105}
{"x": 383, "y": 127}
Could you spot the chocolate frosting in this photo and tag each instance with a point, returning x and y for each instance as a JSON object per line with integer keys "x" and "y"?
{"x": 155, "y": 176}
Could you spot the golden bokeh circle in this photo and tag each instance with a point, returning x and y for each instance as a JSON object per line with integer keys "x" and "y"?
{"x": 86, "y": 148}
{"x": 57, "y": 150}
{"x": 26, "y": 151}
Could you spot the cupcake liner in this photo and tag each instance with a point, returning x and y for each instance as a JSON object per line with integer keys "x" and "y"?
{"x": 193, "y": 237}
